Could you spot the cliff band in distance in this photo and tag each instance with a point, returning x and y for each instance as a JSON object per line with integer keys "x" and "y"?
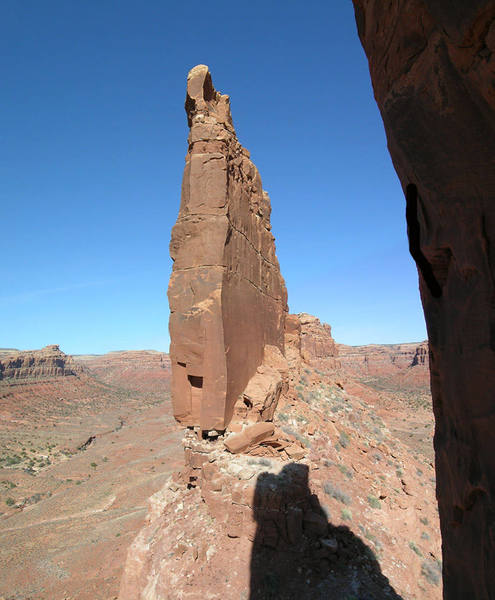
{"x": 227, "y": 298}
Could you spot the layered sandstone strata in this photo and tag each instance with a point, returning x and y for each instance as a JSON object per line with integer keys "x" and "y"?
{"x": 432, "y": 69}
{"x": 398, "y": 362}
{"x": 318, "y": 347}
{"x": 227, "y": 297}
{"x": 50, "y": 361}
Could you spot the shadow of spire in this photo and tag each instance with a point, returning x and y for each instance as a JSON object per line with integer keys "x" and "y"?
{"x": 298, "y": 555}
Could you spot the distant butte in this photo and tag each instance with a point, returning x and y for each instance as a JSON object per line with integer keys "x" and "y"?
{"x": 228, "y": 300}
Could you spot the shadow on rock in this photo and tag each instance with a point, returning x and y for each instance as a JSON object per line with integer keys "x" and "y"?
{"x": 298, "y": 555}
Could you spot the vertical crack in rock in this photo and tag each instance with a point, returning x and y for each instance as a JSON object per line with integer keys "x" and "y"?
{"x": 227, "y": 298}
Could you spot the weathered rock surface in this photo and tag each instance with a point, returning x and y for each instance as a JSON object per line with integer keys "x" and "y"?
{"x": 355, "y": 516}
{"x": 36, "y": 364}
{"x": 227, "y": 296}
{"x": 432, "y": 69}
{"x": 318, "y": 348}
{"x": 405, "y": 362}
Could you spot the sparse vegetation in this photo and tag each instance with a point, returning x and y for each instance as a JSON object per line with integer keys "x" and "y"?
{"x": 374, "y": 502}
{"x": 345, "y": 471}
{"x": 346, "y": 515}
{"x": 331, "y": 490}
{"x": 344, "y": 439}
{"x": 432, "y": 571}
{"x": 415, "y": 549}
{"x": 10, "y": 501}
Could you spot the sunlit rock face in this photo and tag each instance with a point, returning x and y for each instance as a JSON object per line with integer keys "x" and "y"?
{"x": 228, "y": 300}
{"x": 432, "y": 69}
{"x": 48, "y": 362}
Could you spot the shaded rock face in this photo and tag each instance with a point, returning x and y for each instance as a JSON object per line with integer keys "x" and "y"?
{"x": 432, "y": 67}
{"x": 34, "y": 364}
{"x": 227, "y": 297}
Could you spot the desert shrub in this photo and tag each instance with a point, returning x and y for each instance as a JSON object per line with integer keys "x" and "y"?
{"x": 424, "y": 520}
{"x": 374, "y": 502}
{"x": 8, "y": 484}
{"x": 414, "y": 548}
{"x": 283, "y": 417}
{"x": 298, "y": 436}
{"x": 335, "y": 492}
{"x": 94, "y": 465}
{"x": 10, "y": 501}
{"x": 345, "y": 471}
{"x": 326, "y": 510}
{"x": 377, "y": 457}
{"x": 346, "y": 515}
{"x": 425, "y": 536}
{"x": 344, "y": 439}
{"x": 431, "y": 571}
{"x": 372, "y": 538}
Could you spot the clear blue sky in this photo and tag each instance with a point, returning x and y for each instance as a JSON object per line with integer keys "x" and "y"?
{"x": 93, "y": 138}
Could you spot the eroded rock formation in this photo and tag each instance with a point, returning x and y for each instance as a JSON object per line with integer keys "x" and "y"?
{"x": 35, "y": 364}
{"x": 227, "y": 297}
{"x": 318, "y": 347}
{"x": 432, "y": 69}
{"x": 398, "y": 362}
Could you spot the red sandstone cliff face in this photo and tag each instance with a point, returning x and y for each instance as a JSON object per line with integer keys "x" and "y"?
{"x": 318, "y": 348}
{"x": 36, "y": 364}
{"x": 432, "y": 68}
{"x": 227, "y": 297}
{"x": 400, "y": 362}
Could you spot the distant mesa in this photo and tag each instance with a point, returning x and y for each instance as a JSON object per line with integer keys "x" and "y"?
{"x": 50, "y": 361}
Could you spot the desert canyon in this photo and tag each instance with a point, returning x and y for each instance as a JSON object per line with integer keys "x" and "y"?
{"x": 262, "y": 459}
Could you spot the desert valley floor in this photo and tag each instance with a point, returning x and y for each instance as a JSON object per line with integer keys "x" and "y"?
{"x": 85, "y": 441}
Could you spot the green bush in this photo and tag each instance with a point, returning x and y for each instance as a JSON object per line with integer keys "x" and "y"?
{"x": 345, "y": 471}
{"x": 414, "y": 548}
{"x": 374, "y": 502}
{"x": 10, "y": 501}
{"x": 346, "y": 515}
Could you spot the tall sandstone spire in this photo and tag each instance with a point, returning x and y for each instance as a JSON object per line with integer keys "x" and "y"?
{"x": 228, "y": 300}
